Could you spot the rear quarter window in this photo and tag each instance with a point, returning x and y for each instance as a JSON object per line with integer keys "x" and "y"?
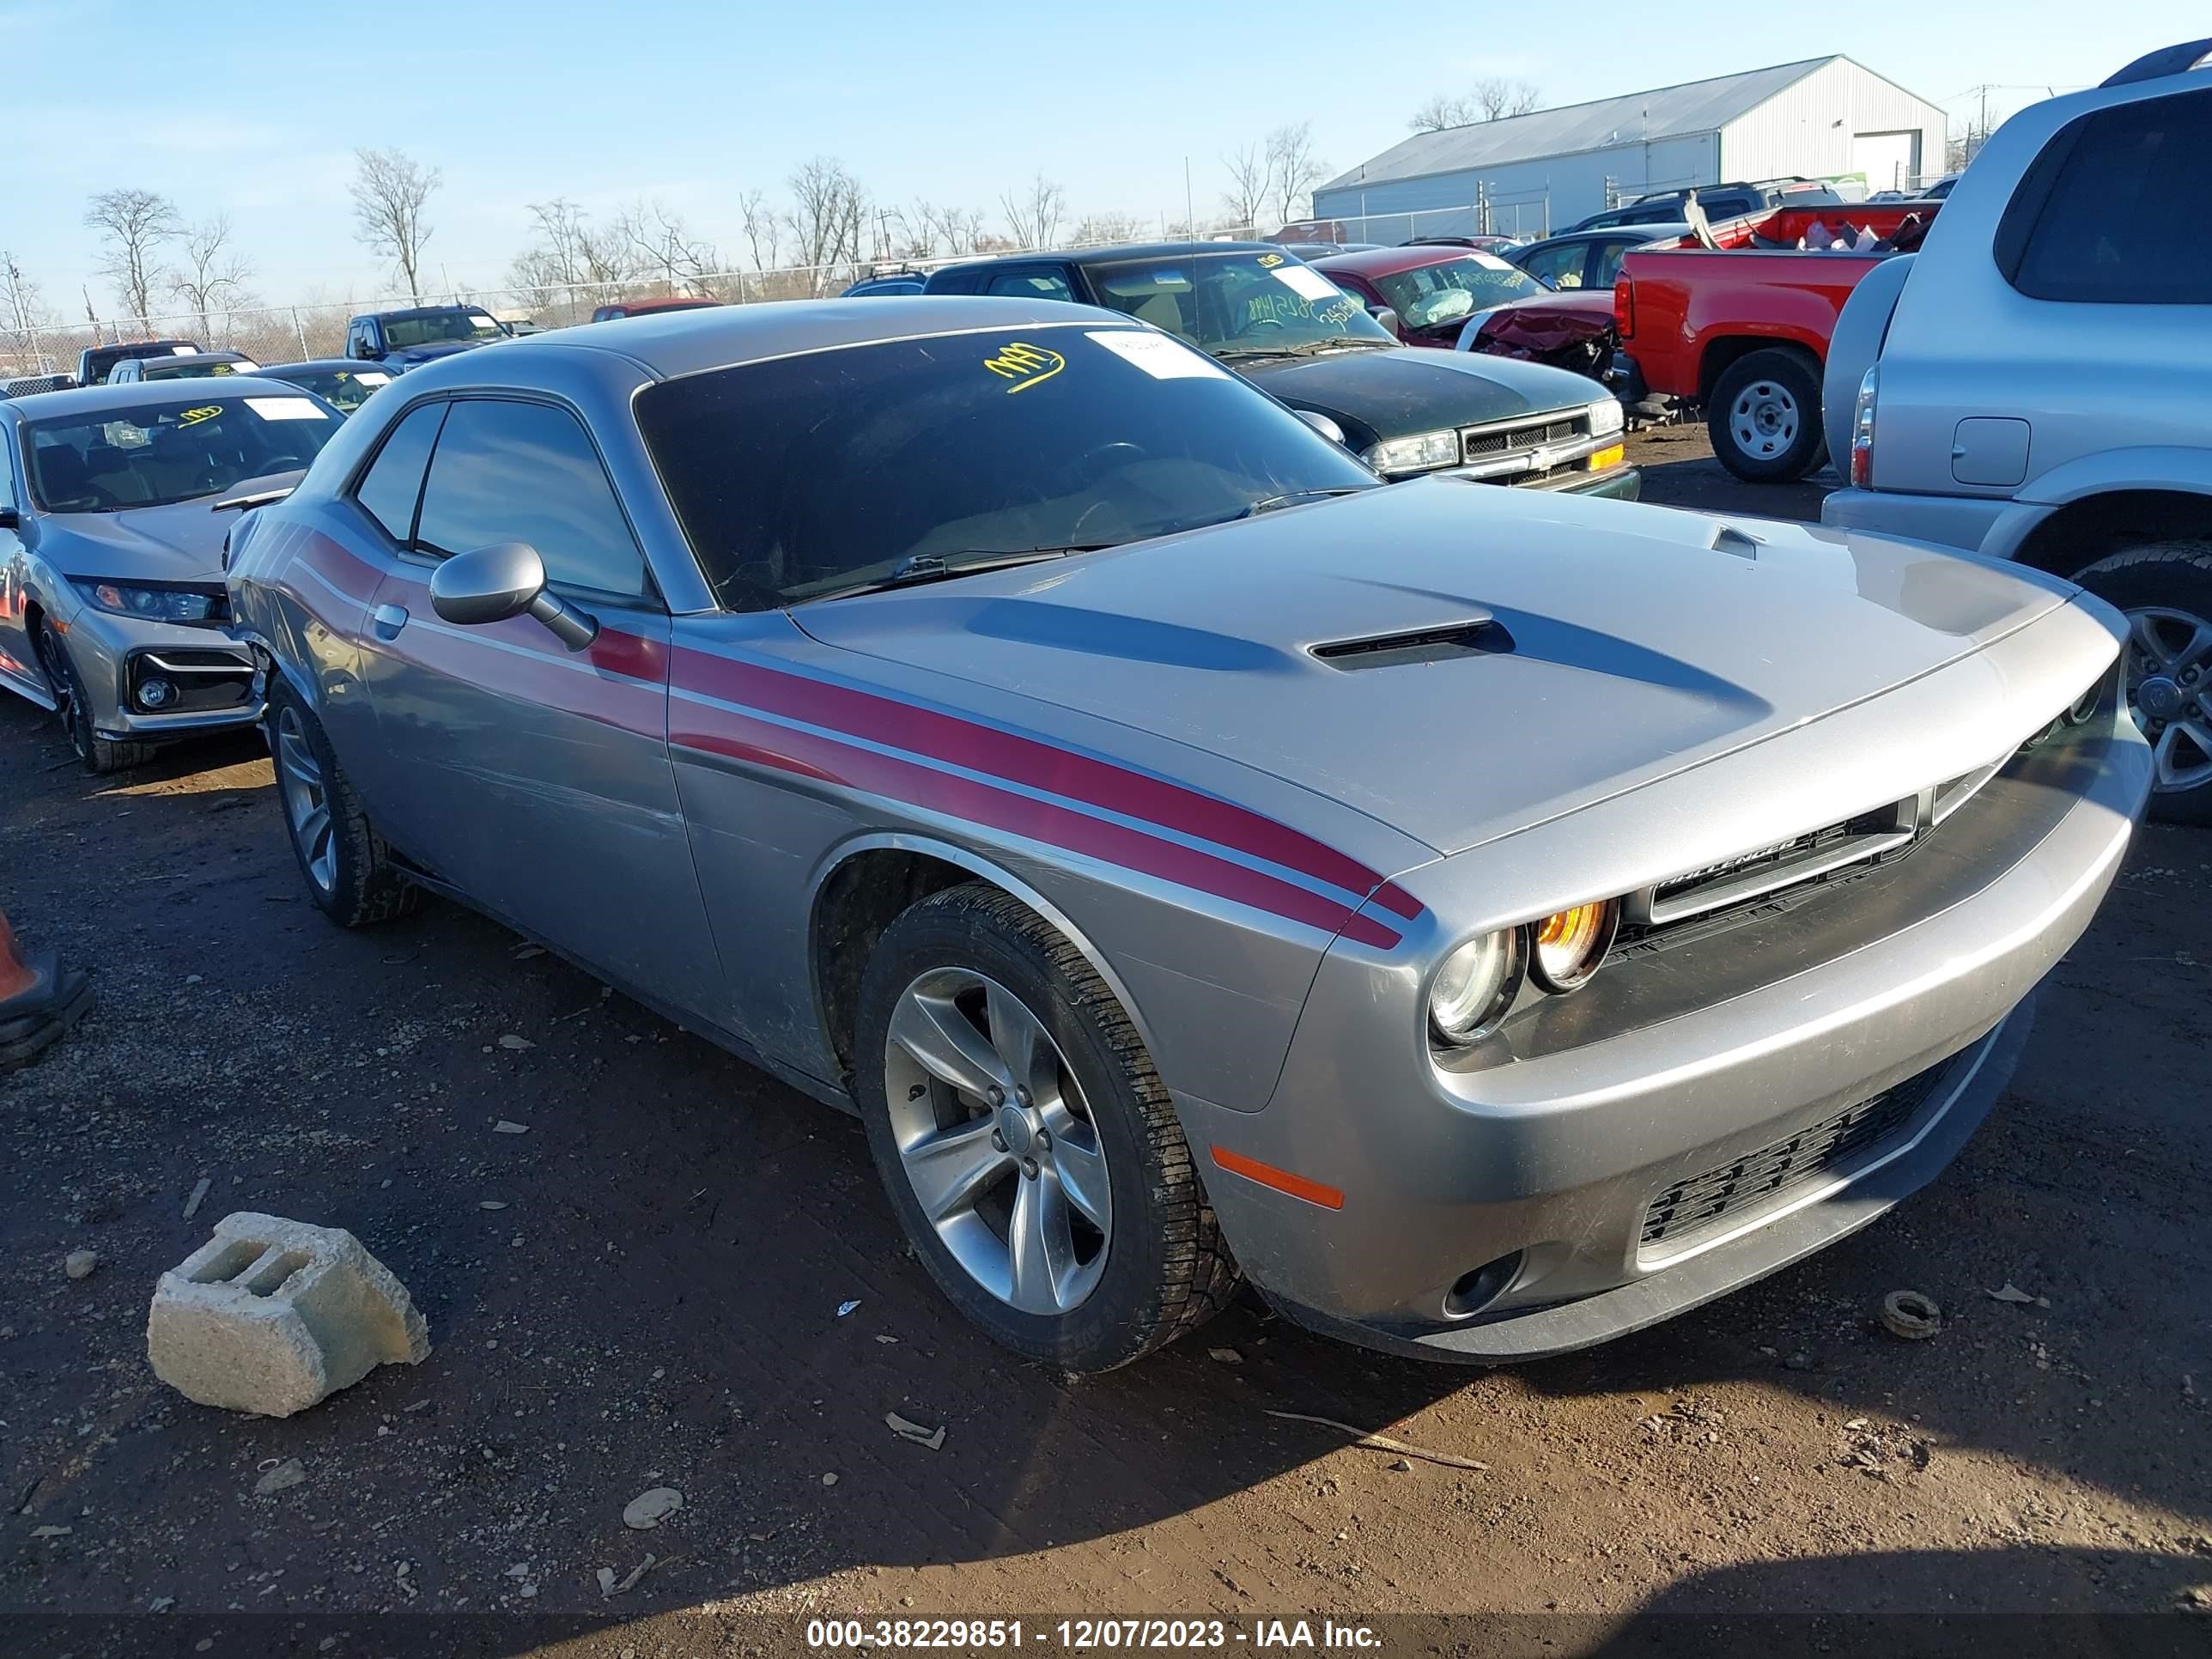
{"x": 2111, "y": 212}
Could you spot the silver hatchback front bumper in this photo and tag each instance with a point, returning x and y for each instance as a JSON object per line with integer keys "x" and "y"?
{"x": 118, "y": 660}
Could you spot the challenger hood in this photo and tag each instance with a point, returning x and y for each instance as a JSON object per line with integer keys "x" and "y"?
{"x": 181, "y": 543}
{"x": 1395, "y": 392}
{"x": 1601, "y": 646}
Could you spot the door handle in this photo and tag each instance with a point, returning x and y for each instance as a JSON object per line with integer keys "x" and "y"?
{"x": 389, "y": 620}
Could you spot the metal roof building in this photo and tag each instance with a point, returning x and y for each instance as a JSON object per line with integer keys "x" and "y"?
{"x": 1822, "y": 118}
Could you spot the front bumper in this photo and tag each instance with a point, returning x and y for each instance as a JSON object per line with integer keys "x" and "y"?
{"x": 211, "y": 677}
{"x": 1764, "y": 1091}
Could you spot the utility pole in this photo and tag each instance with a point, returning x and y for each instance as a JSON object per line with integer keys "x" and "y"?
{"x": 1189, "y": 210}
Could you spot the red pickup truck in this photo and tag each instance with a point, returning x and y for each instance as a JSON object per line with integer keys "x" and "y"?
{"x": 1740, "y": 328}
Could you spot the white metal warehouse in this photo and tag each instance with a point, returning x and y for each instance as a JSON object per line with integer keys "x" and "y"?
{"x": 1821, "y": 119}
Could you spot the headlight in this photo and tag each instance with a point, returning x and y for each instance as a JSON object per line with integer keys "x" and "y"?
{"x": 1570, "y": 946}
{"x": 1419, "y": 453}
{"x": 149, "y": 603}
{"x": 1475, "y": 986}
{"x": 1606, "y": 418}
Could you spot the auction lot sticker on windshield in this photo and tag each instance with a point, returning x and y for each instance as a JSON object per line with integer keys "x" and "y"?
{"x": 1158, "y": 356}
{"x": 1305, "y": 283}
{"x": 285, "y": 409}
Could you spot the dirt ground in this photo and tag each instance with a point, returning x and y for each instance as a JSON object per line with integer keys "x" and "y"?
{"x": 645, "y": 1289}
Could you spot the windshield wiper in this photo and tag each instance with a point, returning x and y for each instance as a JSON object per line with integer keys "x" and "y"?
{"x": 1313, "y": 347}
{"x": 1293, "y": 497}
{"x": 919, "y": 567}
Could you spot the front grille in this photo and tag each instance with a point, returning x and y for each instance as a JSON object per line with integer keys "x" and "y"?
{"x": 1482, "y": 443}
{"x": 1705, "y": 1201}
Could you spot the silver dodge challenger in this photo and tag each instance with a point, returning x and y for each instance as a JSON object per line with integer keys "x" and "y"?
{"x": 1488, "y": 922}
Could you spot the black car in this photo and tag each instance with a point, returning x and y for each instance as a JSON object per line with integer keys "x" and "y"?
{"x": 1583, "y": 259}
{"x": 1729, "y": 201}
{"x": 407, "y": 339}
{"x": 1406, "y": 411}
{"x": 340, "y": 382}
{"x": 96, "y": 363}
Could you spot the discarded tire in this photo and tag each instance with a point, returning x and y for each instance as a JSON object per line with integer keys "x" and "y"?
{"x": 1911, "y": 1315}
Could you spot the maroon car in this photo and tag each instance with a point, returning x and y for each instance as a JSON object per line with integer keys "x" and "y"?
{"x": 1436, "y": 292}
{"x": 621, "y": 308}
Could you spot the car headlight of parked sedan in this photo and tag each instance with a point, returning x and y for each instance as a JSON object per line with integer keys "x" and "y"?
{"x": 169, "y": 605}
{"x": 1422, "y": 452}
{"x": 1480, "y": 982}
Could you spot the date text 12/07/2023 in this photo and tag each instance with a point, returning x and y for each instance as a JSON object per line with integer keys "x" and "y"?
{"x": 1083, "y": 1635}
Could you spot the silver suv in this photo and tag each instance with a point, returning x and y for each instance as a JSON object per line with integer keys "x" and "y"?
{"x": 2036, "y": 384}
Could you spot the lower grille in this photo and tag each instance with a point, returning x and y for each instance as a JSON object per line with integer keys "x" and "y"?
{"x": 1481, "y": 443}
{"x": 1705, "y": 1201}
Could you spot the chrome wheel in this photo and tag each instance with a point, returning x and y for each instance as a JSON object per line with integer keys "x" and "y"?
{"x": 1764, "y": 419}
{"x": 2169, "y": 679}
{"x": 306, "y": 799}
{"x": 996, "y": 1140}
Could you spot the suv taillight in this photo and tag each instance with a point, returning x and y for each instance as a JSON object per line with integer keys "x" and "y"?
{"x": 1863, "y": 430}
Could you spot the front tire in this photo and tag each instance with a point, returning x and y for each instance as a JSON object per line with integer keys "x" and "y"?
{"x": 347, "y": 869}
{"x": 1764, "y": 417}
{"x": 1029, "y": 1149}
{"x": 2165, "y": 590}
{"x": 99, "y": 755}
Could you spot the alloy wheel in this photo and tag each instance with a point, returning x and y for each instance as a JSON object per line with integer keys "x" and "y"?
{"x": 306, "y": 799}
{"x": 2169, "y": 682}
{"x": 996, "y": 1139}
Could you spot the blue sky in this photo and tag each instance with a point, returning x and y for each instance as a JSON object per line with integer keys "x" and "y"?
{"x": 255, "y": 109}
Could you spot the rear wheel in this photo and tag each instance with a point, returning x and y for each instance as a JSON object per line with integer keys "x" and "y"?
{"x": 1764, "y": 416}
{"x": 1028, "y": 1146}
{"x": 100, "y": 755}
{"x": 349, "y": 869}
{"x": 2165, "y": 590}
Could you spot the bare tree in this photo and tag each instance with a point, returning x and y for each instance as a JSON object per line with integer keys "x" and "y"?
{"x": 566, "y": 250}
{"x": 24, "y": 318}
{"x": 667, "y": 249}
{"x": 762, "y": 227}
{"x": 1102, "y": 229}
{"x": 961, "y": 229}
{"x": 1251, "y": 181}
{"x": 1295, "y": 168}
{"x": 133, "y": 226}
{"x": 1033, "y": 212}
{"x": 1496, "y": 97}
{"x": 827, "y": 208}
{"x": 1493, "y": 99}
{"x": 214, "y": 275}
{"x": 389, "y": 191}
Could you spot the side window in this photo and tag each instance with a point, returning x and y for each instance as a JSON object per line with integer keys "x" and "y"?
{"x": 526, "y": 472}
{"x": 1558, "y": 267}
{"x": 393, "y": 483}
{"x": 1032, "y": 285}
{"x": 7, "y": 475}
{"x": 1605, "y": 262}
{"x": 2100, "y": 218}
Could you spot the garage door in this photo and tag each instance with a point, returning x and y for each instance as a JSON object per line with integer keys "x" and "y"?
{"x": 1890, "y": 160}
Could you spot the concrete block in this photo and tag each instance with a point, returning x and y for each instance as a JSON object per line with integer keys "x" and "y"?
{"x": 271, "y": 1315}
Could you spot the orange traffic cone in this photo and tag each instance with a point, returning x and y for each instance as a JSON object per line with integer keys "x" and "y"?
{"x": 38, "y": 1001}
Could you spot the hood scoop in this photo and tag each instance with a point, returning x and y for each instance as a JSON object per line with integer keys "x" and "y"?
{"x": 1479, "y": 635}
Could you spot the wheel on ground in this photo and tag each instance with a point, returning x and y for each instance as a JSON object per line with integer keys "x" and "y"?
{"x": 1764, "y": 417}
{"x": 349, "y": 870}
{"x": 99, "y": 754}
{"x": 2165, "y": 590}
{"x": 1028, "y": 1146}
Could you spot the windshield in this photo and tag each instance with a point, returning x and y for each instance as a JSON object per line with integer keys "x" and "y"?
{"x": 1263, "y": 303}
{"x": 801, "y": 478}
{"x": 1431, "y": 294}
{"x": 161, "y": 371}
{"x": 165, "y": 453}
{"x": 346, "y": 388}
{"x": 401, "y": 333}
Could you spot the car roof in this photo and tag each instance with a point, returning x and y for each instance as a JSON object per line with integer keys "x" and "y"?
{"x": 202, "y": 357}
{"x": 136, "y": 394}
{"x": 1119, "y": 252}
{"x": 641, "y": 307}
{"x": 1390, "y": 261}
{"x": 349, "y": 364}
{"x": 420, "y": 311}
{"x": 1658, "y": 230}
{"x": 671, "y": 343}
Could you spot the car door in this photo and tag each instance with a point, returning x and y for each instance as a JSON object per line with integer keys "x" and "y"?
{"x": 18, "y": 654}
{"x": 534, "y": 778}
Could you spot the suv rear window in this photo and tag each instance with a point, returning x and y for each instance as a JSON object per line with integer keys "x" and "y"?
{"x": 2106, "y": 215}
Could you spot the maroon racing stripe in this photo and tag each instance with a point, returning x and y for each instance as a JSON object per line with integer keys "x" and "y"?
{"x": 810, "y": 755}
{"x": 1038, "y": 765}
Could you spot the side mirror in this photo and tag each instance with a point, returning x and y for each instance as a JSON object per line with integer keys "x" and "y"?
{"x": 11, "y": 519}
{"x": 1388, "y": 318}
{"x": 490, "y": 584}
{"x": 1321, "y": 424}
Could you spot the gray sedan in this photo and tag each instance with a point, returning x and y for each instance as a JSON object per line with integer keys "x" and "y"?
{"x": 1487, "y": 921}
{"x": 114, "y": 502}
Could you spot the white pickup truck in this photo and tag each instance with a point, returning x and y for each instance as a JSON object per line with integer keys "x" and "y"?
{"x": 2035, "y": 383}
